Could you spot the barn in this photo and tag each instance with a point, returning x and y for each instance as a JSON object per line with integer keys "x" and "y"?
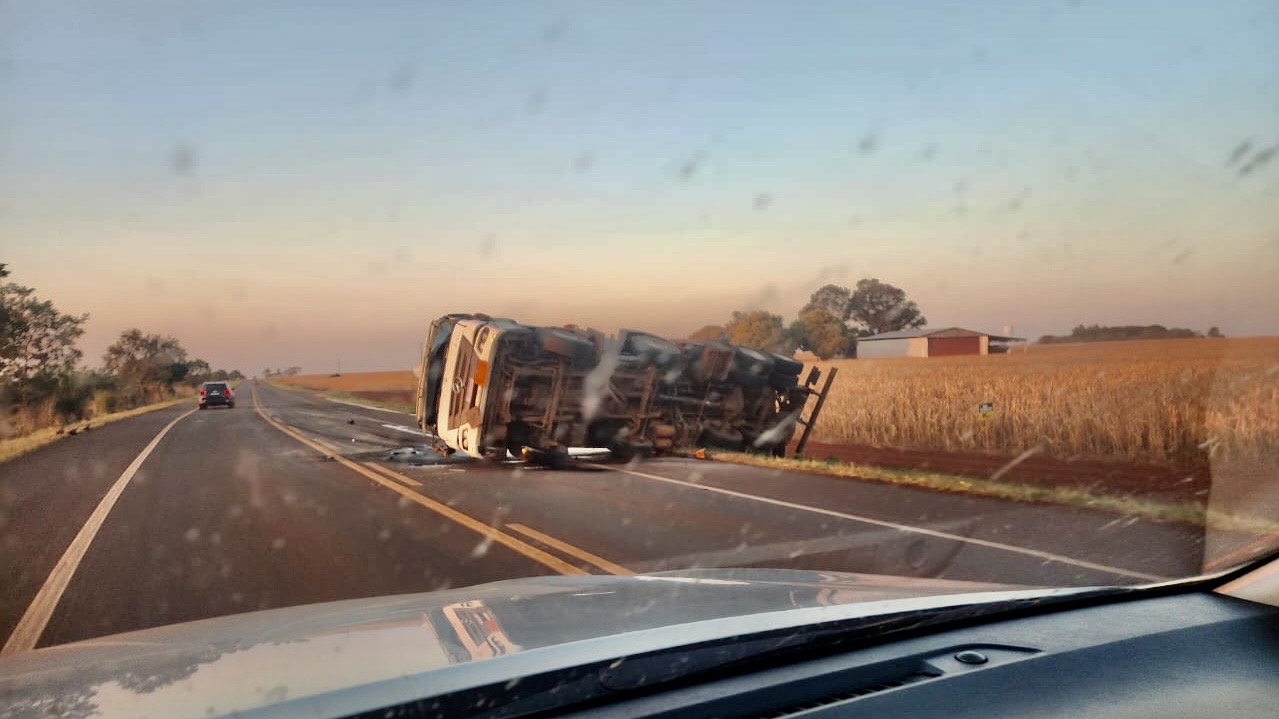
{"x": 933, "y": 343}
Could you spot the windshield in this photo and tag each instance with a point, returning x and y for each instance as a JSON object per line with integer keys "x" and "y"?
{"x": 307, "y": 302}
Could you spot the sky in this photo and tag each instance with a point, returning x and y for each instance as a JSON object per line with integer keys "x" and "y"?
{"x": 308, "y": 183}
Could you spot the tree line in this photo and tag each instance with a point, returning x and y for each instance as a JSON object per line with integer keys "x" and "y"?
{"x": 287, "y": 372}
{"x": 1103, "y": 333}
{"x": 828, "y": 325}
{"x": 42, "y": 381}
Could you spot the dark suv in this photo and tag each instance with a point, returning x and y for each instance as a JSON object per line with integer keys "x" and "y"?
{"x": 213, "y": 394}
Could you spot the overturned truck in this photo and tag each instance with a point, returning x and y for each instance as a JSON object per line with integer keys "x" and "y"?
{"x": 488, "y": 386}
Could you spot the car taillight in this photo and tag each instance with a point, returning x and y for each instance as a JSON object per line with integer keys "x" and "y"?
{"x": 201, "y": 393}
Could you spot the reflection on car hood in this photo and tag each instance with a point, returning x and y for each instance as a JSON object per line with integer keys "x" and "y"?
{"x": 362, "y": 654}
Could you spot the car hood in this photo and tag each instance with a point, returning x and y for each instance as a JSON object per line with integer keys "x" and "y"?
{"x": 356, "y": 655}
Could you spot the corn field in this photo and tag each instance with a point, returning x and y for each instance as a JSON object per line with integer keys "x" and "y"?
{"x": 1165, "y": 402}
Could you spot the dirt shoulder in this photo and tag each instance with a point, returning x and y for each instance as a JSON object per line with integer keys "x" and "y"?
{"x": 1090, "y": 475}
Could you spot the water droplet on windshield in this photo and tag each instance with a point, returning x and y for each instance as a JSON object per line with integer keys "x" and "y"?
{"x": 482, "y": 548}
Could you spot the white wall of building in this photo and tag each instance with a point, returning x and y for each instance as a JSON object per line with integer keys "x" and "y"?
{"x": 904, "y": 347}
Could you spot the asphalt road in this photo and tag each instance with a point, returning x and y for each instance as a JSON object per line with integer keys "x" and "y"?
{"x": 294, "y": 499}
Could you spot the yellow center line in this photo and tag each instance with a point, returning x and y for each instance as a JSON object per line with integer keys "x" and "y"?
{"x": 326, "y": 445}
{"x": 592, "y": 559}
{"x": 544, "y": 558}
{"x": 392, "y": 474}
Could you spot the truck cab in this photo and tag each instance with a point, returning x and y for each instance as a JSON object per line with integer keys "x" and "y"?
{"x": 463, "y": 415}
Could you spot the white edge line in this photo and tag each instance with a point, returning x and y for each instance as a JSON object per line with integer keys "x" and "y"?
{"x": 368, "y": 406}
{"x": 33, "y": 622}
{"x": 405, "y": 429}
{"x": 1049, "y": 556}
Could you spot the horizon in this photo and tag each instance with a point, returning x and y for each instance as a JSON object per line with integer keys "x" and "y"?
{"x": 298, "y": 184}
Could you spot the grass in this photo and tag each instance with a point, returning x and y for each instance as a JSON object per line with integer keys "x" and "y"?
{"x": 1173, "y": 403}
{"x": 18, "y": 446}
{"x": 315, "y": 383}
{"x": 1177, "y": 512}
{"x": 348, "y": 397}
{"x": 391, "y": 381}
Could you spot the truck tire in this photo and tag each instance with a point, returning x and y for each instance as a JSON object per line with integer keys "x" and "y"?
{"x": 651, "y": 349}
{"x": 631, "y": 450}
{"x": 786, "y": 365}
{"x": 557, "y": 458}
{"x": 518, "y": 436}
{"x": 751, "y": 368}
{"x": 578, "y": 350}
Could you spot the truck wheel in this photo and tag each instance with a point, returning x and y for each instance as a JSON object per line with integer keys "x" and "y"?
{"x": 550, "y": 458}
{"x": 751, "y": 368}
{"x": 633, "y": 450}
{"x": 651, "y": 348}
{"x": 786, "y": 365}
{"x": 579, "y": 351}
{"x": 518, "y": 436}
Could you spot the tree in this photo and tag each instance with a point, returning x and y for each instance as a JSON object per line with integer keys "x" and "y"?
{"x": 1108, "y": 333}
{"x": 144, "y": 361}
{"x": 878, "y": 307}
{"x": 824, "y": 335}
{"x": 4, "y": 309}
{"x": 294, "y": 370}
{"x": 198, "y": 370}
{"x": 760, "y": 330}
{"x": 37, "y": 342}
{"x": 1214, "y": 332}
{"x": 235, "y": 375}
{"x": 710, "y": 332}
{"x": 832, "y": 299}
